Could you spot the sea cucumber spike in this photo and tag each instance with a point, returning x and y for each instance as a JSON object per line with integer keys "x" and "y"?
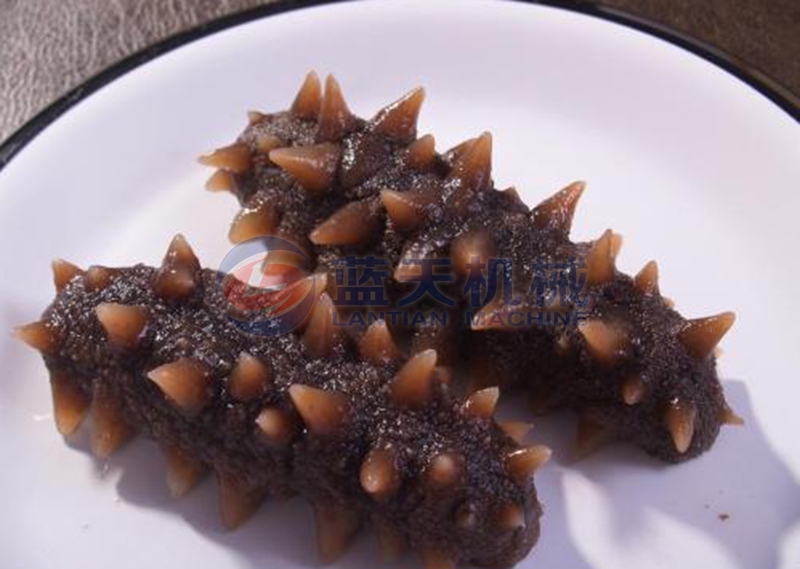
{"x": 510, "y": 517}
{"x": 237, "y": 502}
{"x": 407, "y": 210}
{"x": 70, "y": 403}
{"x": 523, "y": 463}
{"x": 38, "y": 335}
{"x": 336, "y": 529}
{"x": 308, "y": 101}
{"x": 421, "y": 154}
{"x": 314, "y": 167}
{"x": 176, "y": 279}
{"x": 493, "y": 316}
{"x": 600, "y": 267}
{"x": 646, "y": 280}
{"x": 701, "y": 335}
{"x": 668, "y": 302}
{"x": 184, "y": 382}
{"x": 379, "y": 476}
{"x": 453, "y": 154}
{"x": 64, "y": 272}
{"x": 321, "y": 335}
{"x": 605, "y": 342}
{"x": 482, "y": 404}
{"x": 234, "y": 158}
{"x": 110, "y": 428}
{"x": 221, "y": 181}
{"x": 183, "y": 471}
{"x": 320, "y": 282}
{"x": 180, "y": 254}
{"x": 399, "y": 119}
{"x": 322, "y": 411}
{"x": 633, "y": 390}
{"x": 123, "y": 324}
{"x": 253, "y": 222}
{"x": 443, "y": 340}
{"x": 475, "y": 247}
{"x": 351, "y": 224}
{"x": 680, "y": 421}
{"x": 97, "y": 277}
{"x": 591, "y": 434}
{"x": 517, "y": 430}
{"x": 391, "y": 542}
{"x": 377, "y": 345}
{"x": 413, "y": 255}
{"x": 255, "y": 117}
{"x": 267, "y": 143}
{"x": 557, "y": 211}
{"x": 282, "y": 263}
{"x": 275, "y": 426}
{"x": 471, "y": 173}
{"x": 728, "y": 416}
{"x": 616, "y": 244}
{"x": 412, "y": 386}
{"x": 444, "y": 470}
{"x": 248, "y": 378}
{"x": 335, "y": 119}
{"x": 433, "y": 558}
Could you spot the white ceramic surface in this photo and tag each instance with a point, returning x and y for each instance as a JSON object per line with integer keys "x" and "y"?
{"x": 693, "y": 166}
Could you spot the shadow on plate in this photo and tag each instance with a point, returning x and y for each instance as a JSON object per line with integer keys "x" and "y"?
{"x": 741, "y": 482}
{"x": 740, "y": 494}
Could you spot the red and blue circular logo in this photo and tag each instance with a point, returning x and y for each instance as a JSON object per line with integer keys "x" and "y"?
{"x": 268, "y": 291}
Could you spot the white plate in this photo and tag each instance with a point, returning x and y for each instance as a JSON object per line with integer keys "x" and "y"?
{"x": 696, "y": 168}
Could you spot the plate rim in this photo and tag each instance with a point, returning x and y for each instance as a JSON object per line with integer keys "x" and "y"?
{"x": 770, "y": 88}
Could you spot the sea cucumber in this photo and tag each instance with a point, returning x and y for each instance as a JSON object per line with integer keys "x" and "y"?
{"x": 361, "y": 431}
{"x": 634, "y": 369}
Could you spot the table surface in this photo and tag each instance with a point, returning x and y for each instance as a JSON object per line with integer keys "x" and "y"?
{"x": 48, "y": 47}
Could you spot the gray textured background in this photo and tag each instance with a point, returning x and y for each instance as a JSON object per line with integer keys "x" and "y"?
{"x": 50, "y": 46}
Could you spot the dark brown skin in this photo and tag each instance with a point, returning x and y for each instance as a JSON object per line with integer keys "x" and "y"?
{"x": 323, "y": 467}
{"x": 574, "y": 378}
{"x": 677, "y": 406}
